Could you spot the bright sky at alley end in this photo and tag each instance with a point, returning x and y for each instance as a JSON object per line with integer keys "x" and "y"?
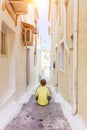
{"x": 43, "y": 18}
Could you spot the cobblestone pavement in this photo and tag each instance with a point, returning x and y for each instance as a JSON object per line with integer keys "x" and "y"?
{"x": 35, "y": 117}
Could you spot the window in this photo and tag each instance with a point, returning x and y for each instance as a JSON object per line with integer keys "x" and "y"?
{"x": 62, "y": 56}
{"x": 3, "y": 47}
{"x": 28, "y": 36}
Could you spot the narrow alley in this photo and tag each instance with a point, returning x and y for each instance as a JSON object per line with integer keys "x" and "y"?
{"x": 43, "y": 39}
{"x": 35, "y": 117}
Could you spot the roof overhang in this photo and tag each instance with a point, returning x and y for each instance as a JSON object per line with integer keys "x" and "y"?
{"x": 17, "y": 7}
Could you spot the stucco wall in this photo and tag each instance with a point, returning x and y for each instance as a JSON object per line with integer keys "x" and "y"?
{"x": 71, "y": 77}
{"x": 20, "y": 63}
{"x": 82, "y": 54}
{"x": 7, "y": 62}
{"x": 63, "y": 80}
{"x": 57, "y": 35}
{"x": 32, "y": 67}
{"x": 63, "y": 74}
{"x": 13, "y": 65}
{"x": 82, "y": 59}
{"x": 66, "y": 78}
{"x": 52, "y": 43}
{"x": 69, "y": 34}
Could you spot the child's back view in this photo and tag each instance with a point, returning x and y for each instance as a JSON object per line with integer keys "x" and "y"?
{"x": 42, "y": 93}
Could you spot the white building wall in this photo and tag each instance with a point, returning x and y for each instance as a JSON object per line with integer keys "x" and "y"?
{"x": 32, "y": 67}
{"x": 29, "y": 18}
{"x": 13, "y": 66}
{"x": 7, "y": 62}
{"x": 52, "y": 41}
{"x": 20, "y": 63}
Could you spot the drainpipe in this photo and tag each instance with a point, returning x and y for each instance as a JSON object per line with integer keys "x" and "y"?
{"x": 67, "y": 49}
{"x": 75, "y": 81}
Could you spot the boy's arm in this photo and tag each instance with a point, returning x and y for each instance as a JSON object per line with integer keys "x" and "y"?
{"x": 36, "y": 95}
{"x": 49, "y": 97}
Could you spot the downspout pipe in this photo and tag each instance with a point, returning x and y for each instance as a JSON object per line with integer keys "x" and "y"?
{"x": 75, "y": 58}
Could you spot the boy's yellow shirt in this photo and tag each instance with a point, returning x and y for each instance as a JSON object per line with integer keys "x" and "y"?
{"x": 42, "y": 93}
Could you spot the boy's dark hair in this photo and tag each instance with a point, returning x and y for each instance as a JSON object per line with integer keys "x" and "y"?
{"x": 43, "y": 82}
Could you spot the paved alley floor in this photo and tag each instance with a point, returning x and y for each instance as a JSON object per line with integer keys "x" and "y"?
{"x": 35, "y": 117}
